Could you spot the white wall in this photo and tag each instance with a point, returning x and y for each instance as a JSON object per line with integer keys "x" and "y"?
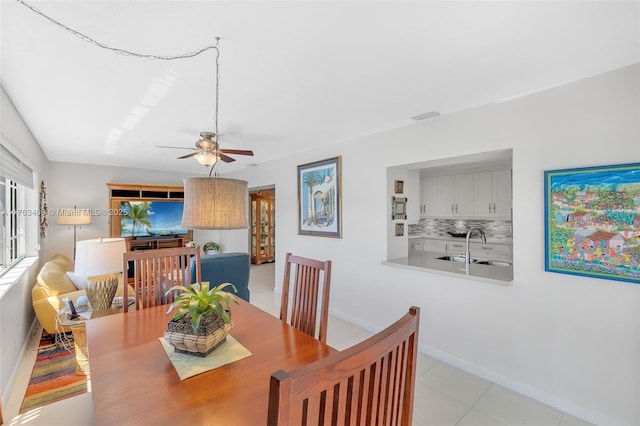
{"x": 569, "y": 341}
{"x": 85, "y": 186}
{"x": 16, "y": 312}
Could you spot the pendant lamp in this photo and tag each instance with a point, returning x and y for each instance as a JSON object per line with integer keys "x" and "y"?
{"x": 214, "y": 203}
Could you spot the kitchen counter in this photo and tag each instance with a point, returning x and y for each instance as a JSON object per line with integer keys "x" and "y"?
{"x": 428, "y": 260}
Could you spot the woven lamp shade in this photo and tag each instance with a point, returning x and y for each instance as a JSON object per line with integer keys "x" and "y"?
{"x": 214, "y": 203}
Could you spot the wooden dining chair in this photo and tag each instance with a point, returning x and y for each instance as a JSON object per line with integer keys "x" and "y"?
{"x": 370, "y": 383}
{"x": 307, "y": 287}
{"x": 152, "y": 272}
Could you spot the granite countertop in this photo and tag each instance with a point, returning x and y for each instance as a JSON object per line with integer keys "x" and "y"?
{"x": 429, "y": 260}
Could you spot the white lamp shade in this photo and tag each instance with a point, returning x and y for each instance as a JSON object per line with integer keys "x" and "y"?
{"x": 214, "y": 203}
{"x": 74, "y": 217}
{"x": 100, "y": 256}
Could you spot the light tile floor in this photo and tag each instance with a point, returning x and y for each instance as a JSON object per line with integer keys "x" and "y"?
{"x": 445, "y": 395}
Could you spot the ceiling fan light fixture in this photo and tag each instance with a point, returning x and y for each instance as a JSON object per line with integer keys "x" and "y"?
{"x": 206, "y": 158}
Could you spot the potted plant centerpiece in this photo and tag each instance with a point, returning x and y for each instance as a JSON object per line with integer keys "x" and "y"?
{"x": 212, "y": 247}
{"x": 202, "y": 320}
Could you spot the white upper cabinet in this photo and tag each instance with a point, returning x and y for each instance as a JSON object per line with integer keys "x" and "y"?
{"x": 492, "y": 194}
{"x": 430, "y": 206}
{"x": 447, "y": 196}
{"x": 469, "y": 195}
{"x": 502, "y": 194}
{"x": 456, "y": 195}
{"x": 483, "y": 197}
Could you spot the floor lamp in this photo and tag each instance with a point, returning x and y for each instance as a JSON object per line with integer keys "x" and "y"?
{"x": 74, "y": 217}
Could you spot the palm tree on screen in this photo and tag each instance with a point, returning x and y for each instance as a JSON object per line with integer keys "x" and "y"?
{"x": 138, "y": 213}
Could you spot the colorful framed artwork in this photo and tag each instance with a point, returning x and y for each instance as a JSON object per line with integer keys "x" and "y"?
{"x": 592, "y": 222}
{"x": 398, "y": 186}
{"x": 319, "y": 203}
{"x": 399, "y": 229}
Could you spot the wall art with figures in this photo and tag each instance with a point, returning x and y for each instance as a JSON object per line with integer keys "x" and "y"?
{"x": 592, "y": 221}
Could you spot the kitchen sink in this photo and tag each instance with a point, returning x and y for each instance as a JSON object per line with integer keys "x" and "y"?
{"x": 462, "y": 259}
{"x": 455, "y": 259}
{"x": 491, "y": 262}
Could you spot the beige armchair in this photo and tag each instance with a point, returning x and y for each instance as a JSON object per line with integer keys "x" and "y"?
{"x": 52, "y": 286}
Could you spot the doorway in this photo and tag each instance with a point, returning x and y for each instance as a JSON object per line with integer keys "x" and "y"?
{"x": 263, "y": 225}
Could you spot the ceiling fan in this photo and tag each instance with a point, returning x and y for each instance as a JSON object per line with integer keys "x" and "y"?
{"x": 207, "y": 151}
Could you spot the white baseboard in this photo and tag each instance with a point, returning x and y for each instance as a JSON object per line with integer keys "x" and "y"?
{"x": 35, "y": 327}
{"x": 355, "y": 321}
{"x": 522, "y": 388}
{"x": 492, "y": 376}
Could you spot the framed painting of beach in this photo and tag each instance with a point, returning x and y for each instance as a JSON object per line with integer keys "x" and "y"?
{"x": 319, "y": 204}
{"x": 592, "y": 222}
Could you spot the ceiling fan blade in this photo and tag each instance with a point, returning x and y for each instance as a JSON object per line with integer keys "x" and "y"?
{"x": 172, "y": 147}
{"x": 237, "y": 151}
{"x": 226, "y": 159}
{"x": 188, "y": 155}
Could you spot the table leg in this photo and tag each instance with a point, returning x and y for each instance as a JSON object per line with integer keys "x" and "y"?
{"x": 82, "y": 353}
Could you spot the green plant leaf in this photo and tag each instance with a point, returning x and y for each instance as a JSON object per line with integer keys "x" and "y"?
{"x": 179, "y": 314}
{"x": 225, "y": 316}
{"x": 195, "y": 323}
{"x": 202, "y": 299}
{"x": 176, "y": 287}
{"x": 223, "y": 285}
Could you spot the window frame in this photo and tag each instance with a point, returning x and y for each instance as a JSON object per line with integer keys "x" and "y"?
{"x": 13, "y": 239}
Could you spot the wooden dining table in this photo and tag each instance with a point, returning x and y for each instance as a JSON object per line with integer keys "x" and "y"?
{"x": 133, "y": 382}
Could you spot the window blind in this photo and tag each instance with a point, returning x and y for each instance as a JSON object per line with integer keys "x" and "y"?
{"x": 14, "y": 169}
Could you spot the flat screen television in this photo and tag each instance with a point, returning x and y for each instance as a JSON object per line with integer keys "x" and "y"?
{"x": 151, "y": 218}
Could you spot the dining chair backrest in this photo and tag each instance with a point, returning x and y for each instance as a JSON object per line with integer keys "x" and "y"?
{"x": 370, "y": 383}
{"x": 310, "y": 279}
{"x": 153, "y": 272}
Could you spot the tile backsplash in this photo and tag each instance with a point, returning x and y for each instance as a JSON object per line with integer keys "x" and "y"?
{"x": 494, "y": 229}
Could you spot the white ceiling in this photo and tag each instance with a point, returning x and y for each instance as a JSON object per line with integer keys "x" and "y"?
{"x": 293, "y": 75}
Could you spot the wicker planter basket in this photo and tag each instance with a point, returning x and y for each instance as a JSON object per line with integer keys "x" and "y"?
{"x": 211, "y": 334}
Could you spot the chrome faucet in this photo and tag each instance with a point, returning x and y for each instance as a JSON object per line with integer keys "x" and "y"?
{"x": 467, "y": 255}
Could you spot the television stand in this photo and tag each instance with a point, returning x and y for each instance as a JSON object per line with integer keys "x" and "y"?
{"x": 157, "y": 237}
{"x": 152, "y": 243}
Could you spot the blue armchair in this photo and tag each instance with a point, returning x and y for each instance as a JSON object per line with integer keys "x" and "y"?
{"x": 226, "y": 268}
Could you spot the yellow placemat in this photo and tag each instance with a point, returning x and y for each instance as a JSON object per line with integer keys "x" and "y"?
{"x": 189, "y": 365}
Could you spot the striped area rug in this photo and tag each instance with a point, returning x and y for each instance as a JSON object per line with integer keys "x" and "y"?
{"x": 54, "y": 376}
